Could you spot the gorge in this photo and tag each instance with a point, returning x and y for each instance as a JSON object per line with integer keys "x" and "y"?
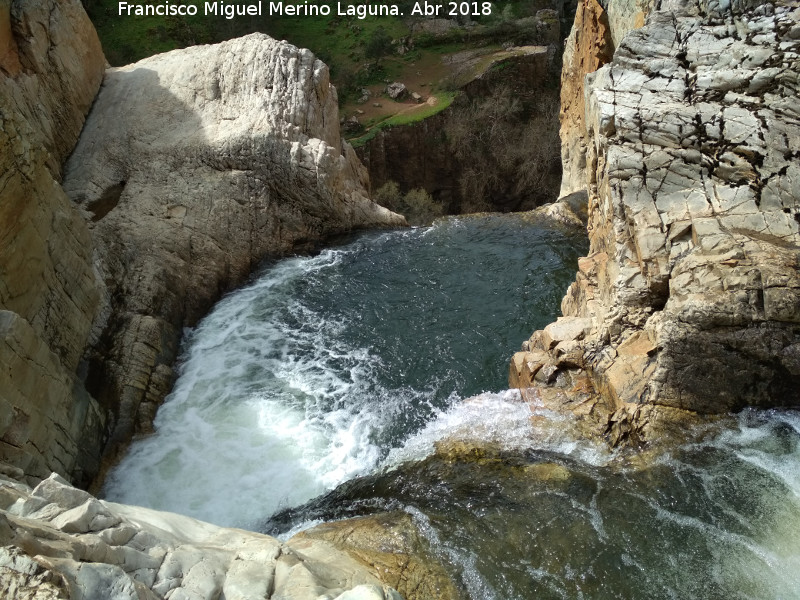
{"x": 679, "y": 123}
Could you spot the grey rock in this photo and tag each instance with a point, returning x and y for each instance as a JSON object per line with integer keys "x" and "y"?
{"x": 144, "y": 554}
{"x": 396, "y": 90}
{"x": 195, "y": 165}
{"x": 688, "y": 154}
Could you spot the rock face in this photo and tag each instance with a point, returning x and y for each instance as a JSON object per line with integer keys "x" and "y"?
{"x": 51, "y": 66}
{"x": 598, "y": 30}
{"x": 587, "y": 48}
{"x": 192, "y": 167}
{"x": 690, "y": 296}
{"x": 60, "y": 542}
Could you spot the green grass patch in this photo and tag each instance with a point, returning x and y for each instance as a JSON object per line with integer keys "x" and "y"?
{"x": 445, "y": 99}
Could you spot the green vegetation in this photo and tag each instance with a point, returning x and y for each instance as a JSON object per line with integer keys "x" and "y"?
{"x": 507, "y": 148}
{"x": 444, "y": 98}
{"x": 432, "y": 60}
{"x": 417, "y": 206}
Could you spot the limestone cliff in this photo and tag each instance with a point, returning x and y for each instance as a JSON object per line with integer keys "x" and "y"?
{"x": 51, "y": 66}
{"x": 690, "y": 296}
{"x": 191, "y": 168}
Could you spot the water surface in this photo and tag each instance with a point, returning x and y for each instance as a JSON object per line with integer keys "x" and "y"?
{"x": 322, "y": 390}
{"x": 313, "y": 373}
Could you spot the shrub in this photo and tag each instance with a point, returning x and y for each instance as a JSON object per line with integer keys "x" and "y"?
{"x": 417, "y": 206}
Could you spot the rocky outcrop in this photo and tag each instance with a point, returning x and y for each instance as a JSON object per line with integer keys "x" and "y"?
{"x": 690, "y": 297}
{"x": 60, "y": 542}
{"x": 192, "y": 167}
{"x": 51, "y": 66}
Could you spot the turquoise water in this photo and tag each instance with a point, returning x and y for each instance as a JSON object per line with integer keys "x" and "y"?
{"x": 321, "y": 390}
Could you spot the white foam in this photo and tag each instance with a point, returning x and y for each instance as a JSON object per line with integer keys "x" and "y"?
{"x": 260, "y": 417}
{"x": 500, "y": 419}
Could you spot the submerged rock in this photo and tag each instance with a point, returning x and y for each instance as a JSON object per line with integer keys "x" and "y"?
{"x": 392, "y": 548}
{"x": 690, "y": 296}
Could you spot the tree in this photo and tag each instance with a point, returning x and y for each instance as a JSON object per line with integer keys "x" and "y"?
{"x": 378, "y": 45}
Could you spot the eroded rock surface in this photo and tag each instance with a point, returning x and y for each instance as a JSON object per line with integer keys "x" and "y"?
{"x": 60, "y": 542}
{"x": 51, "y": 66}
{"x": 391, "y": 547}
{"x": 690, "y": 296}
{"x": 192, "y": 167}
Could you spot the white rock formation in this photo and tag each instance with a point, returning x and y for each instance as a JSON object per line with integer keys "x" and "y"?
{"x": 60, "y": 542}
{"x": 193, "y": 166}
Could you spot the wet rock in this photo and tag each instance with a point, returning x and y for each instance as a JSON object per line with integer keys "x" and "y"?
{"x": 391, "y": 547}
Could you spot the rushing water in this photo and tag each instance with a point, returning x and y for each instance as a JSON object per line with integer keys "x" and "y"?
{"x": 320, "y": 391}
{"x": 314, "y": 372}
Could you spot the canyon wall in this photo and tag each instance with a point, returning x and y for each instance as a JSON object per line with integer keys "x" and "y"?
{"x": 494, "y": 148}
{"x": 194, "y": 165}
{"x": 51, "y": 66}
{"x": 689, "y": 299}
{"x": 191, "y": 168}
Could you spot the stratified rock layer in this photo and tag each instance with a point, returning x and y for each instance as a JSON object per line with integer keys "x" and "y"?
{"x": 690, "y": 296}
{"x": 60, "y": 542}
{"x": 51, "y": 66}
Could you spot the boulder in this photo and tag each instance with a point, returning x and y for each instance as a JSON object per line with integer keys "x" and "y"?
{"x": 396, "y": 90}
